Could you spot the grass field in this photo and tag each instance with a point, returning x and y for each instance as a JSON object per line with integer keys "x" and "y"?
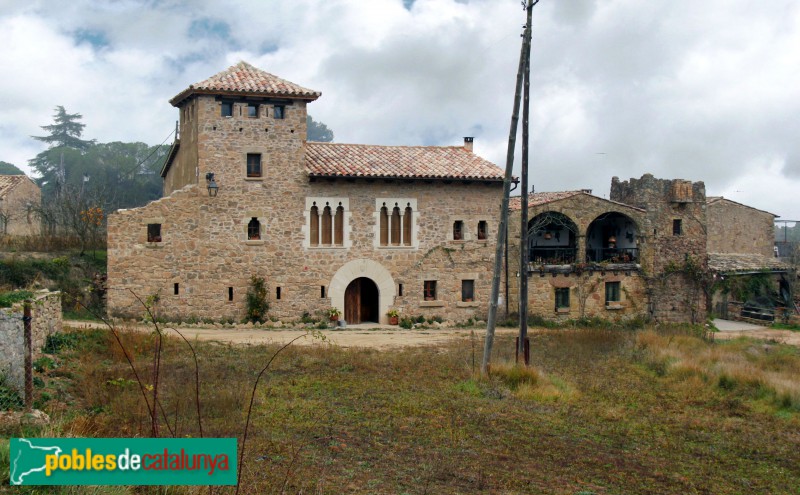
{"x": 601, "y": 412}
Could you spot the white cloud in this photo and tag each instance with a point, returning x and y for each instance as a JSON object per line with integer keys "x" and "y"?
{"x": 699, "y": 90}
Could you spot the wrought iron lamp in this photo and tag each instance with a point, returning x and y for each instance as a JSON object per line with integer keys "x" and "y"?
{"x": 211, "y": 185}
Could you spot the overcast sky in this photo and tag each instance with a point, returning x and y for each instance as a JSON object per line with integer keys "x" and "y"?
{"x": 681, "y": 89}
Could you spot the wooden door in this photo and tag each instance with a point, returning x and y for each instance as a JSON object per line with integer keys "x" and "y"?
{"x": 352, "y": 303}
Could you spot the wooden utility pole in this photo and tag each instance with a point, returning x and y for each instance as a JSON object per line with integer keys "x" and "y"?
{"x": 503, "y": 226}
{"x": 523, "y": 347}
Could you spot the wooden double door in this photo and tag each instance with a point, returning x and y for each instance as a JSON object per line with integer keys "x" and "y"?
{"x": 361, "y": 302}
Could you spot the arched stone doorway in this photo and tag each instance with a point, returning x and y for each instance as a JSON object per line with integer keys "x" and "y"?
{"x": 361, "y": 300}
{"x": 612, "y": 237}
{"x": 376, "y": 273}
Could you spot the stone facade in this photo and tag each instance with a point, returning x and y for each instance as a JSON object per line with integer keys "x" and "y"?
{"x": 46, "y": 320}
{"x": 19, "y": 198}
{"x": 206, "y": 252}
{"x": 569, "y": 239}
{"x": 737, "y": 228}
{"x": 638, "y": 254}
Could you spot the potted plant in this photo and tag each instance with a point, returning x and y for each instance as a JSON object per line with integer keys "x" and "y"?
{"x": 394, "y": 316}
{"x": 334, "y": 313}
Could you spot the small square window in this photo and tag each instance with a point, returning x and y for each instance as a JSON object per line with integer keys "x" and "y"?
{"x": 467, "y": 290}
{"x": 227, "y": 109}
{"x": 252, "y": 110}
{"x": 562, "y": 298}
{"x": 430, "y": 290}
{"x": 458, "y": 230}
{"x": 612, "y": 292}
{"x": 153, "y": 232}
{"x": 278, "y": 111}
{"x": 677, "y": 227}
{"x": 254, "y": 164}
{"x": 482, "y": 230}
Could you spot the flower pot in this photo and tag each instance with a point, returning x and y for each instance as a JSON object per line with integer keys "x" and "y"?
{"x": 393, "y": 320}
{"x": 335, "y": 318}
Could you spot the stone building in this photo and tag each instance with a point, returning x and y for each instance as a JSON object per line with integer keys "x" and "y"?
{"x": 740, "y": 255}
{"x": 361, "y": 228}
{"x": 19, "y": 197}
{"x": 637, "y": 254}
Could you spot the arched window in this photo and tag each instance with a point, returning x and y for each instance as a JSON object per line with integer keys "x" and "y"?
{"x": 384, "y": 221}
{"x": 326, "y": 225}
{"x": 338, "y": 226}
{"x": 254, "y": 230}
{"x": 396, "y": 225}
{"x": 407, "y": 225}
{"x": 314, "y": 225}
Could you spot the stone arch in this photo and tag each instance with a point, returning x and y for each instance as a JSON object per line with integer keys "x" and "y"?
{"x": 368, "y": 269}
{"x": 552, "y": 238}
{"x": 612, "y": 236}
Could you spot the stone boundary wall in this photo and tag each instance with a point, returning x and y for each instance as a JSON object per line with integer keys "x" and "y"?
{"x": 47, "y": 320}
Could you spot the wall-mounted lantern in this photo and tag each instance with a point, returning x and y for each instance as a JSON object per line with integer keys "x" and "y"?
{"x": 211, "y": 184}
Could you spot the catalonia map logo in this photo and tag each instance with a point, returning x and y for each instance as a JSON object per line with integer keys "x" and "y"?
{"x": 123, "y": 461}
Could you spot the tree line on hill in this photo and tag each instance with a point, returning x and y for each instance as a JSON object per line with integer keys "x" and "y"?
{"x": 82, "y": 180}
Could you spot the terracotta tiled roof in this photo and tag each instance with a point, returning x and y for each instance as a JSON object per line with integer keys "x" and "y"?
{"x": 414, "y": 162}
{"x": 542, "y": 198}
{"x": 9, "y": 182}
{"x": 732, "y": 263}
{"x": 245, "y": 80}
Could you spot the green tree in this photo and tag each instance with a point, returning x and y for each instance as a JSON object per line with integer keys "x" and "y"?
{"x": 9, "y": 169}
{"x": 65, "y": 132}
{"x": 317, "y": 131}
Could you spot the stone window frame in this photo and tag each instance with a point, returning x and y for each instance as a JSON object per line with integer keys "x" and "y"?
{"x": 257, "y": 108}
{"x": 222, "y": 105}
{"x": 677, "y": 226}
{"x": 253, "y": 151}
{"x": 485, "y": 230}
{"x": 334, "y": 203}
{"x": 559, "y": 303}
{"x": 279, "y": 114}
{"x": 164, "y": 240}
{"x": 261, "y": 217}
{"x": 615, "y": 301}
{"x": 429, "y": 292}
{"x": 402, "y": 204}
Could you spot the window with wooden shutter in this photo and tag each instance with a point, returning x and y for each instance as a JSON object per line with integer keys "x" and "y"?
{"x": 482, "y": 230}
{"x": 314, "y": 225}
{"x": 458, "y": 230}
{"x": 254, "y": 164}
{"x": 430, "y": 290}
{"x": 326, "y": 226}
{"x": 396, "y": 226}
{"x": 407, "y": 226}
{"x": 338, "y": 226}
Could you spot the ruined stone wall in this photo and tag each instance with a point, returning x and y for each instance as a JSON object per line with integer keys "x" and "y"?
{"x": 20, "y": 205}
{"x": 674, "y": 296}
{"x": 46, "y": 320}
{"x": 736, "y": 228}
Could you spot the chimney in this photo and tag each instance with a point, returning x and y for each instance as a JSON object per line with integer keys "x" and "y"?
{"x": 468, "y": 143}
{"x": 587, "y": 191}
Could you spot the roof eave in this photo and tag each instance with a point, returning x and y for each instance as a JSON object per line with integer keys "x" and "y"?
{"x": 190, "y": 92}
{"x": 314, "y": 176}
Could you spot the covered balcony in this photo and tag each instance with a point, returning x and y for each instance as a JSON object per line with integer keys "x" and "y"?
{"x": 612, "y": 237}
{"x": 552, "y": 239}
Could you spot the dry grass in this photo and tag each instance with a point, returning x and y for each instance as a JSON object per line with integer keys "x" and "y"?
{"x": 601, "y": 412}
{"x": 762, "y": 373}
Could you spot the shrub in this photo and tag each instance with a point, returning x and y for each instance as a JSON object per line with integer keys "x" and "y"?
{"x": 9, "y": 398}
{"x": 57, "y": 341}
{"x": 257, "y": 305}
{"x": 406, "y": 323}
{"x": 7, "y": 299}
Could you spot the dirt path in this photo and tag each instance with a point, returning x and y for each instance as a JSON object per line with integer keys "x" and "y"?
{"x": 383, "y": 337}
{"x": 782, "y": 336}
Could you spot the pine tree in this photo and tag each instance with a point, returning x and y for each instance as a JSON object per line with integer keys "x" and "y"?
{"x": 65, "y": 132}
{"x": 317, "y": 131}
